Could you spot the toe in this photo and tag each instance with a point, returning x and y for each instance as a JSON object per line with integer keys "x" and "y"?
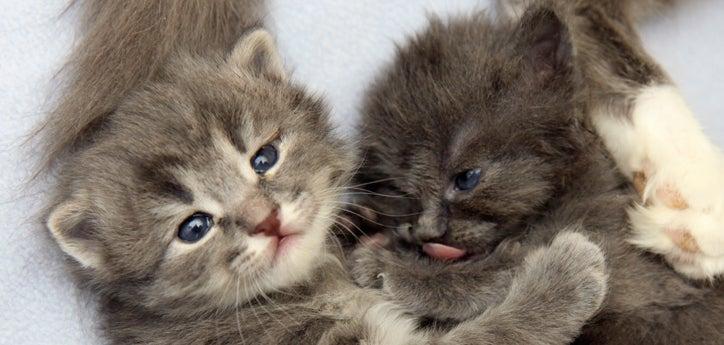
{"x": 684, "y": 240}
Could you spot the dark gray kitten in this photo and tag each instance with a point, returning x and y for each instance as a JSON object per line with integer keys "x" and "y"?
{"x": 479, "y": 148}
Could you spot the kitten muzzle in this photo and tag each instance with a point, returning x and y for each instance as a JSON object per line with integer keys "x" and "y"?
{"x": 269, "y": 226}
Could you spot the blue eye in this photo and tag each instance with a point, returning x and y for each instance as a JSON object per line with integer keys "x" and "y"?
{"x": 467, "y": 180}
{"x": 264, "y": 159}
{"x": 195, "y": 227}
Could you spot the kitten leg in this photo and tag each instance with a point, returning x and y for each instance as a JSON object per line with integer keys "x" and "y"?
{"x": 559, "y": 288}
{"x": 679, "y": 174}
{"x": 443, "y": 291}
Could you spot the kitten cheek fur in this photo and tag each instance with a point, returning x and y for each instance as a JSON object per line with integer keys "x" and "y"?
{"x": 181, "y": 145}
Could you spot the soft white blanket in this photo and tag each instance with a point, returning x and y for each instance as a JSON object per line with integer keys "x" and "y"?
{"x": 334, "y": 46}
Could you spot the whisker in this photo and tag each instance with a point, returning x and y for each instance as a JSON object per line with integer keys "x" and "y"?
{"x": 262, "y": 324}
{"x": 379, "y": 212}
{"x": 365, "y": 218}
{"x": 336, "y": 223}
{"x": 391, "y": 196}
{"x": 236, "y": 308}
{"x": 376, "y": 181}
{"x": 356, "y": 236}
{"x": 281, "y": 309}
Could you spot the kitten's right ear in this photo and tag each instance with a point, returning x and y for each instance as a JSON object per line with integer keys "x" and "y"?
{"x": 545, "y": 42}
{"x": 71, "y": 227}
{"x": 257, "y": 53}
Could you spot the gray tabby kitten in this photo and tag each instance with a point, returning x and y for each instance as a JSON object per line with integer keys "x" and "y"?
{"x": 197, "y": 186}
{"x": 479, "y": 148}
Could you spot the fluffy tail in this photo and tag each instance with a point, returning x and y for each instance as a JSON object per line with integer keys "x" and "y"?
{"x": 127, "y": 42}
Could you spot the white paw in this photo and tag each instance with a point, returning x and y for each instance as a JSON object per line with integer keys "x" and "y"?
{"x": 679, "y": 175}
{"x": 691, "y": 240}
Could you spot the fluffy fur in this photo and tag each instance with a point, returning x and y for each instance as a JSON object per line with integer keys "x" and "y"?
{"x": 516, "y": 100}
{"x": 105, "y": 66}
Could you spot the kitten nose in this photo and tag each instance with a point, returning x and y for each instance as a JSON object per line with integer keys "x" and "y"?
{"x": 431, "y": 225}
{"x": 429, "y": 233}
{"x": 270, "y": 225}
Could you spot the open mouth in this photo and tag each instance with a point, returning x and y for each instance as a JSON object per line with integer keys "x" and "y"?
{"x": 435, "y": 250}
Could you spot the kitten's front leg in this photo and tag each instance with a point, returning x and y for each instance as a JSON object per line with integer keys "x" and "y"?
{"x": 558, "y": 289}
{"x": 444, "y": 291}
{"x": 679, "y": 174}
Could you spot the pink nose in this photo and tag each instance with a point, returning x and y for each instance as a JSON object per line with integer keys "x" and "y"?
{"x": 269, "y": 226}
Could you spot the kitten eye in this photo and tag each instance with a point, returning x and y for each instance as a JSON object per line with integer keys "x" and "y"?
{"x": 467, "y": 180}
{"x": 195, "y": 227}
{"x": 264, "y": 159}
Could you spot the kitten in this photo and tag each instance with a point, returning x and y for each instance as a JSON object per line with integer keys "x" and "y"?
{"x": 479, "y": 149}
{"x": 197, "y": 185}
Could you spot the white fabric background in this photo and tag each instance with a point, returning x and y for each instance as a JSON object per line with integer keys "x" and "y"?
{"x": 333, "y": 46}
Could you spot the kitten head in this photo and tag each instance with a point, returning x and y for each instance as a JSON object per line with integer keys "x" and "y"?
{"x": 211, "y": 185}
{"x": 476, "y": 125}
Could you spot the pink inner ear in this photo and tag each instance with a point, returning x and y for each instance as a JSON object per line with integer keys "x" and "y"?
{"x": 442, "y": 252}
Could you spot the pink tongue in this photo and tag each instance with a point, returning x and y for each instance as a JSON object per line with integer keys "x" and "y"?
{"x": 442, "y": 252}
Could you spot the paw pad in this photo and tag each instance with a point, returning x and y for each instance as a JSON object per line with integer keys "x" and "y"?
{"x": 684, "y": 240}
{"x": 672, "y": 198}
{"x": 639, "y": 182}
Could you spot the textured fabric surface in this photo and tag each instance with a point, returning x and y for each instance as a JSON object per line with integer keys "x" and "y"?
{"x": 335, "y": 47}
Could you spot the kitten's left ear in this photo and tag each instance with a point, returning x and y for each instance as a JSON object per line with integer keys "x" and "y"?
{"x": 257, "y": 53}
{"x": 70, "y": 225}
{"x": 546, "y": 43}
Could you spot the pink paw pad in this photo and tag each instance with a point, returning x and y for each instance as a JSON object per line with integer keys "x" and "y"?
{"x": 683, "y": 239}
{"x": 672, "y": 198}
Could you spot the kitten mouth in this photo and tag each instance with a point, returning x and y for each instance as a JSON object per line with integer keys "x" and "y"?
{"x": 279, "y": 244}
{"x": 284, "y": 244}
{"x": 442, "y": 252}
{"x": 282, "y": 238}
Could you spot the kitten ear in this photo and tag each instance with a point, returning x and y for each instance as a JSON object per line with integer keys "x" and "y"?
{"x": 546, "y": 42}
{"x": 256, "y": 52}
{"x": 71, "y": 227}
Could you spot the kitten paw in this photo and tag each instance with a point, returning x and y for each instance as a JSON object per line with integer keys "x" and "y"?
{"x": 572, "y": 268}
{"x": 367, "y": 267}
{"x": 681, "y": 213}
{"x": 679, "y": 175}
{"x": 690, "y": 239}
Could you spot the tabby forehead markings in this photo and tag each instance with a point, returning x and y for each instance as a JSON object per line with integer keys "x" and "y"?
{"x": 237, "y": 159}
{"x": 158, "y": 174}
